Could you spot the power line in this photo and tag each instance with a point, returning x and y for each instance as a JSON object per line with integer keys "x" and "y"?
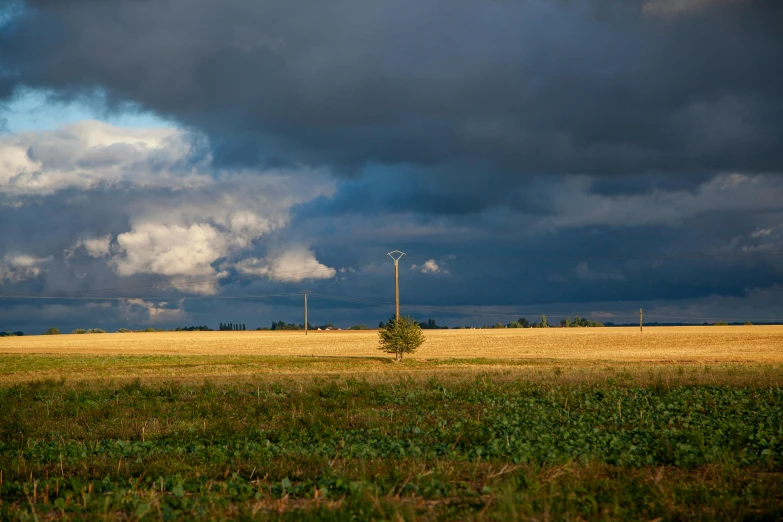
{"x": 435, "y": 308}
{"x": 449, "y": 309}
{"x": 217, "y": 278}
{"x": 511, "y": 313}
{"x": 458, "y": 310}
{"x": 626, "y": 257}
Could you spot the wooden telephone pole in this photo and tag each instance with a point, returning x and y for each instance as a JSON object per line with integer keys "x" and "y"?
{"x": 641, "y": 329}
{"x": 305, "y": 293}
{"x": 396, "y": 255}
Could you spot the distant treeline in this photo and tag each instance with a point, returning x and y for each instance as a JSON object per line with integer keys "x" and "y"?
{"x": 203, "y": 328}
{"x": 282, "y": 325}
{"x": 577, "y": 322}
{"x": 232, "y": 327}
{"x": 719, "y": 323}
{"x": 429, "y": 324}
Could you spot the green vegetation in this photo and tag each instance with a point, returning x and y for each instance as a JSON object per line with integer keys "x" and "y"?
{"x": 399, "y": 336}
{"x": 463, "y": 447}
{"x": 579, "y": 322}
{"x": 52, "y": 331}
{"x": 359, "y": 327}
{"x": 83, "y": 331}
{"x": 223, "y": 327}
{"x": 430, "y": 324}
{"x": 281, "y": 325}
{"x": 202, "y": 328}
{"x": 567, "y": 323}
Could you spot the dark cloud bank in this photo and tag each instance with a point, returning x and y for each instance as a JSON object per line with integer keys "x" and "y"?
{"x": 468, "y": 133}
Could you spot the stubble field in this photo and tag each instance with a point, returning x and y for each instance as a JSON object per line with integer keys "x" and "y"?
{"x": 557, "y": 424}
{"x": 688, "y": 344}
{"x": 216, "y": 354}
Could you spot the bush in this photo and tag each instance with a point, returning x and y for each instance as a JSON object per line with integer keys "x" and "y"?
{"x": 150, "y": 329}
{"x": 400, "y": 337}
{"x": 96, "y": 330}
{"x": 720, "y": 324}
{"x": 79, "y": 331}
{"x": 514, "y": 324}
{"x": 52, "y": 331}
{"x": 123, "y": 330}
{"x": 748, "y": 323}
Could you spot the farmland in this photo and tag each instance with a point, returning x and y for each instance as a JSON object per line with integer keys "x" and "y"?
{"x": 479, "y": 424}
{"x": 694, "y": 344}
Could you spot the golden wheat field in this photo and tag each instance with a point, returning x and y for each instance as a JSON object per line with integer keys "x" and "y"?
{"x": 697, "y": 344}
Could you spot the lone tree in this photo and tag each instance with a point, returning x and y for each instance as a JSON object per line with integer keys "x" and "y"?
{"x": 52, "y": 331}
{"x": 400, "y": 337}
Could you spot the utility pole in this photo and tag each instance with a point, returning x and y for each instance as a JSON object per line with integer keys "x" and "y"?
{"x": 396, "y": 255}
{"x": 640, "y": 320}
{"x": 305, "y": 293}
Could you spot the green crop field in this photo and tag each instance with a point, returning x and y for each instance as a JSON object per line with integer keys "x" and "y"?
{"x": 124, "y": 437}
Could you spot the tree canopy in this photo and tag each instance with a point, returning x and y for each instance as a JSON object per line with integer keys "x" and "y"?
{"x": 400, "y": 337}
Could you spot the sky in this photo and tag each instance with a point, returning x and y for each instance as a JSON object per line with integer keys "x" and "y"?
{"x": 188, "y": 162}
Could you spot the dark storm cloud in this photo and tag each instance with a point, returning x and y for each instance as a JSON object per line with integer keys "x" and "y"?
{"x": 516, "y": 145}
{"x": 495, "y": 87}
{"x": 649, "y": 182}
{"x": 406, "y": 188}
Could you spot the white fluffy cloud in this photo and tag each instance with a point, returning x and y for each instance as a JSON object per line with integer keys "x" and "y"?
{"x": 94, "y": 247}
{"x": 91, "y": 154}
{"x": 14, "y": 269}
{"x": 430, "y": 267}
{"x": 141, "y": 310}
{"x": 770, "y": 232}
{"x": 290, "y": 266}
{"x": 168, "y": 250}
{"x": 182, "y": 216}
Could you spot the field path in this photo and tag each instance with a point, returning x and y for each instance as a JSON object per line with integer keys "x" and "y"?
{"x": 757, "y": 344}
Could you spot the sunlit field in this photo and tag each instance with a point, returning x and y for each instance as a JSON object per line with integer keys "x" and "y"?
{"x": 530, "y": 424}
{"x": 215, "y": 354}
{"x": 658, "y": 344}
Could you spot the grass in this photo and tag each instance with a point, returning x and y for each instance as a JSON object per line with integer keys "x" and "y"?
{"x": 86, "y": 433}
{"x": 470, "y": 446}
{"x": 108, "y": 369}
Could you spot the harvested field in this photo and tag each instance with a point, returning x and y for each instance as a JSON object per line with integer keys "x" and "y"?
{"x": 716, "y": 344}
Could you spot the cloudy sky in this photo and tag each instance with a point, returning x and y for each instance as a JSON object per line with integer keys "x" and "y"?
{"x": 163, "y": 161}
